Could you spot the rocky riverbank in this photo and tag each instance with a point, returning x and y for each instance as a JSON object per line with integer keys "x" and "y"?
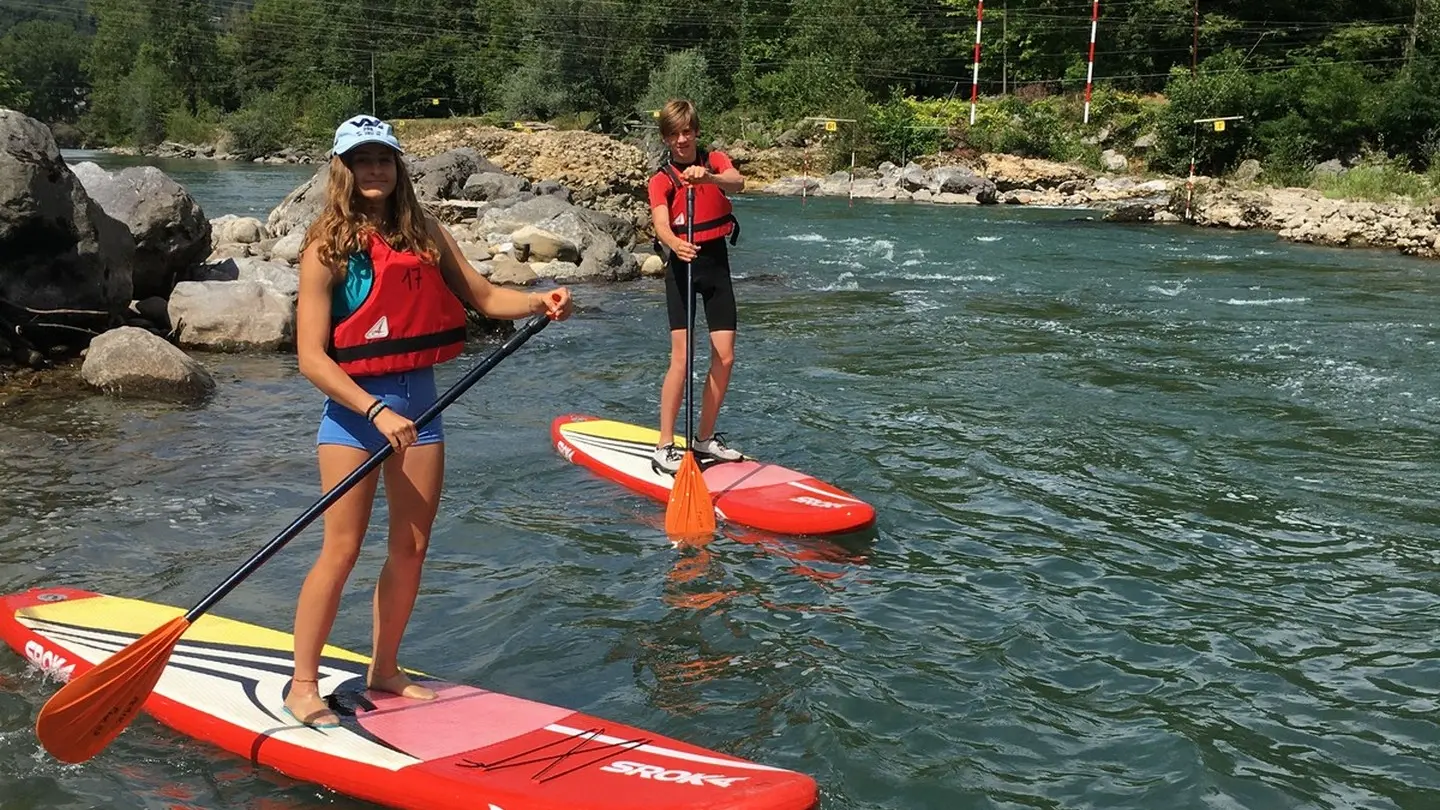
{"x": 610, "y": 174}
{"x": 124, "y": 269}
{"x": 1295, "y": 214}
{"x": 211, "y": 151}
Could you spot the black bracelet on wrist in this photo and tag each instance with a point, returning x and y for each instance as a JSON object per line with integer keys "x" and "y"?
{"x": 375, "y": 409}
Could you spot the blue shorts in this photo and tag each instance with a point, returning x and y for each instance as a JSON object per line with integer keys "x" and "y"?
{"x": 408, "y": 393}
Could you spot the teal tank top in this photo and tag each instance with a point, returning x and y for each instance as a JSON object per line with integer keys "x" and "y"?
{"x": 349, "y": 295}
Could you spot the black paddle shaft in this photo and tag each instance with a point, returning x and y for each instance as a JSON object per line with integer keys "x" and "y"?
{"x": 505, "y": 349}
{"x": 690, "y": 322}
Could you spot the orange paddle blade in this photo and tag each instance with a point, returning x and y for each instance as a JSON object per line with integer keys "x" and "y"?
{"x": 690, "y": 514}
{"x": 86, "y": 714}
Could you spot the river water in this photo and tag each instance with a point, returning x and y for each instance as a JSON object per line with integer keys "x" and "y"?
{"x": 1156, "y": 522}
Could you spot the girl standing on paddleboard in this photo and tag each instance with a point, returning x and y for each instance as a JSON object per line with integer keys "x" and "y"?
{"x": 711, "y": 174}
{"x": 380, "y": 303}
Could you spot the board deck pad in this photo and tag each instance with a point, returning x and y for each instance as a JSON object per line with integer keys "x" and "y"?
{"x": 469, "y": 749}
{"x": 749, "y": 492}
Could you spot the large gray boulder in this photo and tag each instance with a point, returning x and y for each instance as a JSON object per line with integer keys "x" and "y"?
{"x": 914, "y": 178}
{"x": 443, "y": 176}
{"x": 170, "y": 232}
{"x": 493, "y": 186}
{"x": 58, "y": 248}
{"x": 960, "y": 180}
{"x": 301, "y": 206}
{"x": 278, "y": 276}
{"x": 131, "y": 362}
{"x": 526, "y": 212}
{"x": 232, "y": 230}
{"x": 232, "y": 315}
{"x": 606, "y": 261}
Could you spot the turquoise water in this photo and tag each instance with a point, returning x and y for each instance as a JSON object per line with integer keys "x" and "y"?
{"x": 1156, "y": 524}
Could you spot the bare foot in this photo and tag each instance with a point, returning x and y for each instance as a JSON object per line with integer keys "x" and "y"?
{"x": 310, "y": 709}
{"x": 399, "y": 684}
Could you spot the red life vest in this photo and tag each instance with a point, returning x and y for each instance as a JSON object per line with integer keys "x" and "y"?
{"x": 410, "y": 319}
{"x": 713, "y": 216}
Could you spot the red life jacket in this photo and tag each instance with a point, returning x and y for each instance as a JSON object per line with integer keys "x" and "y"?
{"x": 713, "y": 217}
{"x": 409, "y": 320}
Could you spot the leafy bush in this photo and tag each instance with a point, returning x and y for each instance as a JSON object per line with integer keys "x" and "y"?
{"x": 11, "y": 94}
{"x": 683, "y": 74}
{"x": 1381, "y": 179}
{"x": 1126, "y": 115}
{"x": 535, "y": 89}
{"x": 751, "y": 126}
{"x": 813, "y": 84}
{"x": 263, "y": 126}
{"x": 201, "y": 127}
{"x": 149, "y": 95}
{"x": 1040, "y": 129}
{"x": 903, "y": 128}
{"x": 1220, "y": 89}
{"x": 324, "y": 109}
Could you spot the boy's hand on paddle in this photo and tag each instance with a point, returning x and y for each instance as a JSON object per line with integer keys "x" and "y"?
{"x": 396, "y": 429}
{"x": 686, "y": 251}
{"x": 697, "y": 174}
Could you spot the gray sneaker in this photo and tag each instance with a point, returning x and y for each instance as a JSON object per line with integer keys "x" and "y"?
{"x": 666, "y": 460}
{"x": 714, "y": 447}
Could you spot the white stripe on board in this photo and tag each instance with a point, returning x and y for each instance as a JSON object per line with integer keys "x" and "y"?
{"x": 832, "y": 496}
{"x": 664, "y": 752}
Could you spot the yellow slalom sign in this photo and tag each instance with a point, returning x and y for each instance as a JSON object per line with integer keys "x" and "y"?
{"x": 1219, "y": 123}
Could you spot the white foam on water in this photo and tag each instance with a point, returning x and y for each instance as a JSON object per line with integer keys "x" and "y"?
{"x": 806, "y": 237}
{"x": 881, "y": 248}
{"x": 917, "y": 300}
{"x": 1263, "y": 302}
{"x": 988, "y": 238}
{"x": 844, "y": 281}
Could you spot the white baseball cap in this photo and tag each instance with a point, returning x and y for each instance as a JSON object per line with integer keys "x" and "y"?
{"x": 364, "y": 129}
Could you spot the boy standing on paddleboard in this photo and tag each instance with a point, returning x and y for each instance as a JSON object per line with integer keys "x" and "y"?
{"x": 711, "y": 175}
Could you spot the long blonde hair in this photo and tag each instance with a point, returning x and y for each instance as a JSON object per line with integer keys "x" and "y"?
{"x": 341, "y": 230}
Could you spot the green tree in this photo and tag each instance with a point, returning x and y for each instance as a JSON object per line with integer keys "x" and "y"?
{"x": 10, "y": 93}
{"x": 684, "y": 74}
{"x": 121, "y": 28}
{"x": 838, "y": 51}
{"x": 47, "y": 58}
{"x": 185, "y": 48}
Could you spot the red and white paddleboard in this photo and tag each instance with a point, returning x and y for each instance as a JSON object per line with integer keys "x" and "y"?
{"x": 470, "y": 749}
{"x": 749, "y": 492}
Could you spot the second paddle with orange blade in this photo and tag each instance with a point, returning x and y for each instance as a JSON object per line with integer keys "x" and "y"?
{"x": 690, "y": 514}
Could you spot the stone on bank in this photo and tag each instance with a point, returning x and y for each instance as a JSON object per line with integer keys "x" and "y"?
{"x": 131, "y": 362}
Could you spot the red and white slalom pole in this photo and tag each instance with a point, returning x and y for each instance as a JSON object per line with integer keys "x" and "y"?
{"x": 975, "y": 79}
{"x": 1090, "y": 71}
{"x": 1190, "y": 187}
